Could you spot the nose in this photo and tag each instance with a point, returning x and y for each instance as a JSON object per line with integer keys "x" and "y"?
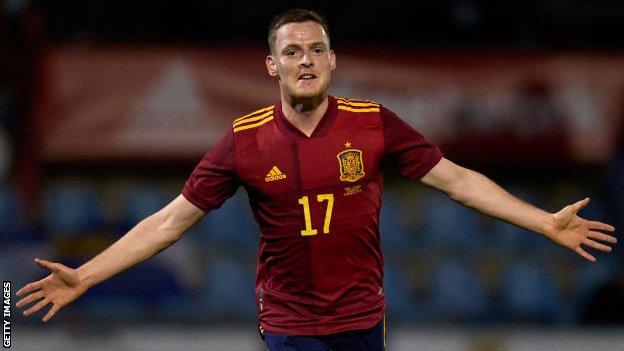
{"x": 306, "y": 62}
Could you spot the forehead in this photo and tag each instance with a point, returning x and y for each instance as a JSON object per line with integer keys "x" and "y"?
{"x": 300, "y": 34}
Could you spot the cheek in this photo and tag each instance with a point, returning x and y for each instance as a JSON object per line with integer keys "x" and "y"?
{"x": 285, "y": 70}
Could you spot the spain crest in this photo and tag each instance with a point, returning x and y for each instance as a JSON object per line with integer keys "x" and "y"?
{"x": 351, "y": 165}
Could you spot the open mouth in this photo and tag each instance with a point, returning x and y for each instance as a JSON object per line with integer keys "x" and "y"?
{"x": 307, "y": 76}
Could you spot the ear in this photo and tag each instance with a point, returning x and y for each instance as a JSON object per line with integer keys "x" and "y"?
{"x": 271, "y": 66}
{"x": 332, "y": 60}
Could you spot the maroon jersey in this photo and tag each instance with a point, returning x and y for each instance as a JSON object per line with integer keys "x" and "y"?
{"x": 317, "y": 201}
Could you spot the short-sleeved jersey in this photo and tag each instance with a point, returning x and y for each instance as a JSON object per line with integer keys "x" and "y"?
{"x": 317, "y": 201}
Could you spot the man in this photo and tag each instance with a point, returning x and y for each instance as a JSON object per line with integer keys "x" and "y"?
{"x": 312, "y": 165}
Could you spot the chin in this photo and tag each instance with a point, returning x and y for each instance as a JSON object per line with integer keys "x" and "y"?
{"x": 309, "y": 93}
{"x": 306, "y": 94}
{"x": 298, "y": 93}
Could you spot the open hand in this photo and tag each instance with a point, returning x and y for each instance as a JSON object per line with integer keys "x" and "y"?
{"x": 59, "y": 288}
{"x": 572, "y": 231}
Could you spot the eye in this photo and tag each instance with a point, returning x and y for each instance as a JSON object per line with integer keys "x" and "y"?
{"x": 318, "y": 50}
{"x": 291, "y": 53}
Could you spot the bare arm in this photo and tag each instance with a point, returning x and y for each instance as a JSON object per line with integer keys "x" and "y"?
{"x": 152, "y": 235}
{"x": 476, "y": 191}
{"x": 149, "y": 237}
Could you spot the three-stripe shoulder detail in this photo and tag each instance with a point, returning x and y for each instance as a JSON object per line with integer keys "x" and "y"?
{"x": 354, "y": 105}
{"x": 254, "y": 119}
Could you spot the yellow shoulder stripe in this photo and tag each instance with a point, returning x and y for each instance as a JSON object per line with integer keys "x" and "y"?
{"x": 344, "y": 99}
{"x": 254, "y": 113}
{"x": 357, "y": 103}
{"x": 351, "y": 109}
{"x": 253, "y": 125}
{"x": 251, "y": 119}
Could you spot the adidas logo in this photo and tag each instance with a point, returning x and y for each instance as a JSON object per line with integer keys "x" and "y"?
{"x": 274, "y": 174}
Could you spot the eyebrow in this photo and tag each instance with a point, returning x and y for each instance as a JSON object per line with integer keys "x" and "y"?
{"x": 295, "y": 46}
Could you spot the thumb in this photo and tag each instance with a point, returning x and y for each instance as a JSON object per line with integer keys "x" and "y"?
{"x": 54, "y": 267}
{"x": 580, "y": 204}
{"x": 67, "y": 274}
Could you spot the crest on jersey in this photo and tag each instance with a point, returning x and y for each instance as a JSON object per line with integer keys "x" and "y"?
{"x": 351, "y": 165}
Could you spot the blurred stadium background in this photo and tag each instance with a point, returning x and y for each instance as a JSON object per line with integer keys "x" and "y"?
{"x": 105, "y": 107}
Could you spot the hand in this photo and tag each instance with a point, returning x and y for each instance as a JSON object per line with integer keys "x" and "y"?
{"x": 572, "y": 231}
{"x": 59, "y": 288}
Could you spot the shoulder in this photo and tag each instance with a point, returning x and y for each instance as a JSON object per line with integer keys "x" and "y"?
{"x": 357, "y": 105}
{"x": 253, "y": 120}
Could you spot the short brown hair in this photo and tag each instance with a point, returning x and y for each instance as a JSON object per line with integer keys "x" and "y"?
{"x": 294, "y": 16}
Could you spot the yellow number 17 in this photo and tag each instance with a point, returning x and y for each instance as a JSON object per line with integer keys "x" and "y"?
{"x": 306, "y": 213}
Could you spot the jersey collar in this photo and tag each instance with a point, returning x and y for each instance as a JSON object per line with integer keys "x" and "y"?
{"x": 321, "y": 130}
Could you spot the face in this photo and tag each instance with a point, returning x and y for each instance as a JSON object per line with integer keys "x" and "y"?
{"x": 302, "y": 60}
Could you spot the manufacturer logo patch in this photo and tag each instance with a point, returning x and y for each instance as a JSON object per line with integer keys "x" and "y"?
{"x": 351, "y": 165}
{"x": 274, "y": 174}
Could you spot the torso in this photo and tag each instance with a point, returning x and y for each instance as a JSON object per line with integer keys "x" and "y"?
{"x": 317, "y": 201}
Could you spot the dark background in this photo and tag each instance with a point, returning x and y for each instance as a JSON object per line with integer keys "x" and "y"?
{"x": 28, "y": 28}
{"x": 524, "y": 24}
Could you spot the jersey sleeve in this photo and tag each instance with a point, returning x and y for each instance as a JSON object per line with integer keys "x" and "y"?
{"x": 214, "y": 179}
{"x": 406, "y": 149}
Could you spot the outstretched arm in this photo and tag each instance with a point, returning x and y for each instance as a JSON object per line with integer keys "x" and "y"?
{"x": 476, "y": 191}
{"x": 150, "y": 236}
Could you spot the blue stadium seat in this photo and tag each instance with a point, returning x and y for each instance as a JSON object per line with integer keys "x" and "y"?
{"x": 147, "y": 280}
{"x": 71, "y": 209}
{"x": 141, "y": 201}
{"x": 113, "y": 309}
{"x": 591, "y": 276}
{"x": 509, "y": 236}
{"x": 401, "y": 304}
{"x": 394, "y": 229}
{"x": 458, "y": 293}
{"x": 229, "y": 290}
{"x": 447, "y": 224}
{"x": 14, "y": 224}
{"x": 231, "y": 226}
{"x": 529, "y": 293}
{"x": 133, "y": 294}
{"x": 185, "y": 308}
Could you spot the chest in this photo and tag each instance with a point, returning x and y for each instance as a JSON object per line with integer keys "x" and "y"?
{"x": 273, "y": 165}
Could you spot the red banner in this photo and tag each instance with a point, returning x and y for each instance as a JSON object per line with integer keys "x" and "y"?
{"x": 100, "y": 103}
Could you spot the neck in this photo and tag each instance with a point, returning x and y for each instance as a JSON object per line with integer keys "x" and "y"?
{"x": 305, "y": 114}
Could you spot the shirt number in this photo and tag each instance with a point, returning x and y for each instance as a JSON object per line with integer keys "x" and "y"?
{"x": 306, "y": 213}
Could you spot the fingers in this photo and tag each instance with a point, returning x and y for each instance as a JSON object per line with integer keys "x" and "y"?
{"x": 602, "y": 237}
{"x": 580, "y": 204}
{"x": 596, "y": 245}
{"x": 30, "y": 287}
{"x": 41, "y": 304}
{"x": 51, "y": 312}
{"x": 600, "y": 226}
{"x": 584, "y": 254}
{"x": 30, "y": 298}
